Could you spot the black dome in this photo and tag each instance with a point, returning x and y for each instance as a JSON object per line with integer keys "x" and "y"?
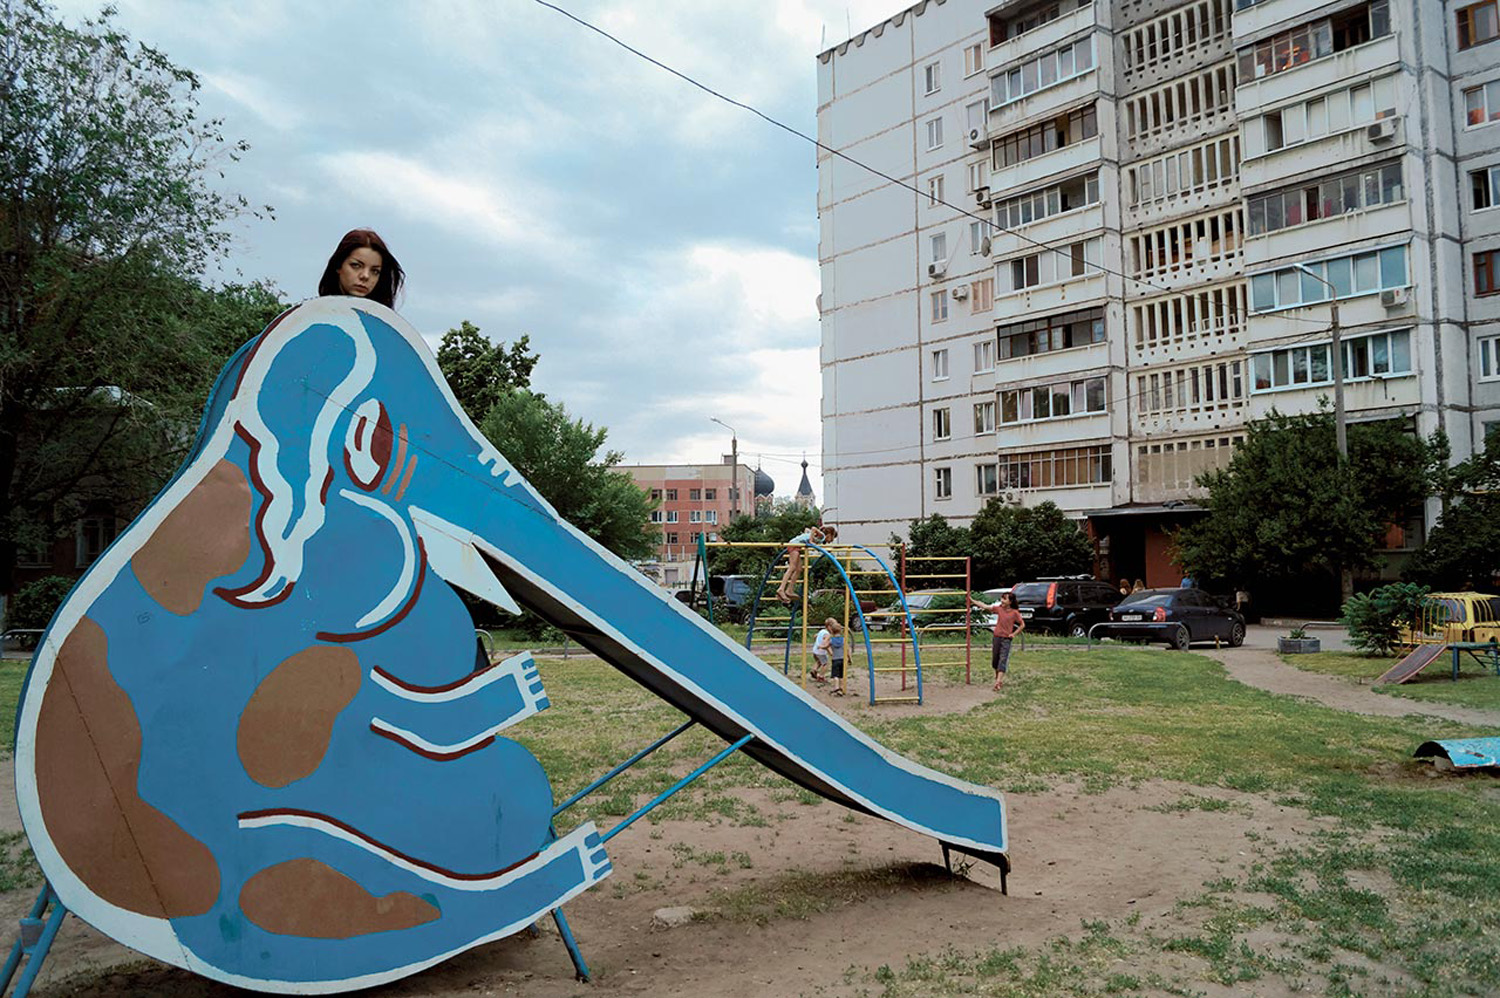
{"x": 764, "y": 484}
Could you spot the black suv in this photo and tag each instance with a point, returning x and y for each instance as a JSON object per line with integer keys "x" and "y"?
{"x": 1065, "y": 606}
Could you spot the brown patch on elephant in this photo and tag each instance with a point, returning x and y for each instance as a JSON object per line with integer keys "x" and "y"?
{"x": 284, "y": 729}
{"x": 88, "y": 760}
{"x": 205, "y": 538}
{"x": 303, "y": 897}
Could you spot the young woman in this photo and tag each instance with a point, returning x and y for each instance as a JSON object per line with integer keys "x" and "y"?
{"x": 362, "y": 266}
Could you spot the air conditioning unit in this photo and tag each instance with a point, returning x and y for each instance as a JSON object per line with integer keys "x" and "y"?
{"x": 985, "y": 245}
{"x": 1395, "y": 298}
{"x": 982, "y": 196}
{"x": 961, "y": 292}
{"x": 937, "y": 269}
{"x": 1383, "y": 130}
{"x": 979, "y": 137}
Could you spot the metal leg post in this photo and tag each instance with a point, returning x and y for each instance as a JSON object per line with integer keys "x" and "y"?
{"x": 579, "y": 967}
{"x": 34, "y": 941}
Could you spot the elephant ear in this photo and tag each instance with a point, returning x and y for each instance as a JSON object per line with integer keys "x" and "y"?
{"x": 292, "y": 408}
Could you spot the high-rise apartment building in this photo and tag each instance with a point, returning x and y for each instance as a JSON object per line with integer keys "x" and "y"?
{"x": 1160, "y": 200}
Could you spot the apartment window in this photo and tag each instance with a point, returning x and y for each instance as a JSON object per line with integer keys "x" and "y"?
{"x": 1062, "y": 131}
{"x": 1057, "y": 332}
{"x": 1337, "y": 195}
{"x": 932, "y": 76}
{"x": 978, "y": 175}
{"x": 976, "y": 237}
{"x": 1478, "y": 23}
{"x": 1307, "y": 42}
{"x": 940, "y": 306}
{"x": 1056, "y": 468}
{"x": 94, "y": 535}
{"x": 695, "y": 537}
{"x": 695, "y": 495}
{"x": 934, "y": 190}
{"x": 1171, "y": 250}
{"x": 671, "y": 537}
{"x": 695, "y": 516}
{"x": 1326, "y": 115}
{"x": 940, "y": 365}
{"x": 982, "y": 295}
{"x": 1053, "y": 265}
{"x": 1058, "y": 400}
{"x": 943, "y": 483}
{"x": 1175, "y": 466}
{"x": 1482, "y": 104}
{"x": 1487, "y": 272}
{"x": 974, "y": 59}
{"x": 986, "y": 479}
{"x": 710, "y": 516}
{"x": 671, "y": 516}
{"x": 1040, "y": 73}
{"x": 710, "y": 494}
{"x": 1484, "y": 186}
{"x": 1379, "y": 354}
{"x": 656, "y": 495}
{"x": 938, "y": 247}
{"x": 1360, "y": 274}
{"x": 984, "y": 417}
{"x": 1077, "y": 193}
{"x": 35, "y": 555}
{"x": 671, "y": 495}
{"x": 984, "y": 356}
{"x": 656, "y": 516}
{"x": 1175, "y": 37}
{"x": 942, "y": 424}
{"x": 1489, "y": 367}
{"x": 934, "y": 133}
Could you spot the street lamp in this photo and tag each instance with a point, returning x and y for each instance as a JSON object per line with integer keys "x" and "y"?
{"x": 734, "y": 467}
{"x": 1341, "y": 435}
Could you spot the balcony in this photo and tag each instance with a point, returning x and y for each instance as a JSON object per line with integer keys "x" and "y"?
{"x": 1345, "y": 67}
{"x": 1049, "y": 35}
{"x": 1069, "y": 226}
{"x": 1010, "y": 179}
{"x": 1074, "y": 292}
{"x": 1253, "y": 21}
{"x": 1055, "y": 364}
{"x": 1044, "y": 103}
{"x": 1315, "y": 239}
{"x": 1328, "y": 154}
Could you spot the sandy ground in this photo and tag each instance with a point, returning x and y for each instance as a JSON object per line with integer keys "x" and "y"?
{"x": 1077, "y": 857}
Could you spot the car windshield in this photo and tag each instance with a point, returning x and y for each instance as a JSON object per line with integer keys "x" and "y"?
{"x": 915, "y": 601}
{"x": 1146, "y": 599}
{"x": 1028, "y": 590}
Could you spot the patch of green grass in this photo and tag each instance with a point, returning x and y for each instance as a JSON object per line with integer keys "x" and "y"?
{"x": 12, "y": 678}
{"x": 17, "y": 866}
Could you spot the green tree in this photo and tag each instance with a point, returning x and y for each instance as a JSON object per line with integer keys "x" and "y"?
{"x": 1375, "y": 619}
{"x": 1286, "y": 506}
{"x": 481, "y": 372}
{"x": 1012, "y": 544}
{"x": 1464, "y": 547}
{"x": 935, "y": 537}
{"x": 560, "y": 457}
{"x": 108, "y": 219}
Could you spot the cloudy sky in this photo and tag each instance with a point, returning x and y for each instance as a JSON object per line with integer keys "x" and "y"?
{"x": 659, "y": 246}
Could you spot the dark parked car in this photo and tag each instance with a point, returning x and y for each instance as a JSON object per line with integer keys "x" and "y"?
{"x": 1065, "y": 606}
{"x": 1203, "y": 617}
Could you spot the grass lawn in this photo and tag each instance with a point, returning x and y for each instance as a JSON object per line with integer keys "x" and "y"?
{"x": 1475, "y": 687}
{"x": 1406, "y": 874}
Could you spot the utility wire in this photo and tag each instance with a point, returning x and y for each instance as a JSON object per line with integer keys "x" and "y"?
{"x": 1060, "y": 250}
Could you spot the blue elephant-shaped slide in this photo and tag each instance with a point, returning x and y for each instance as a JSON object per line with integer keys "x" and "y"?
{"x": 255, "y": 741}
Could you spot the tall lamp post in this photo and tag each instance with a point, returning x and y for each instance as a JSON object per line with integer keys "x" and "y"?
{"x": 734, "y": 467}
{"x": 1340, "y": 430}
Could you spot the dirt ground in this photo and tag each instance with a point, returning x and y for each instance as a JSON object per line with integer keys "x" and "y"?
{"x": 1077, "y": 857}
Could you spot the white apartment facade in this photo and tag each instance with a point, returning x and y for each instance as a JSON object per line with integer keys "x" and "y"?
{"x": 1154, "y": 193}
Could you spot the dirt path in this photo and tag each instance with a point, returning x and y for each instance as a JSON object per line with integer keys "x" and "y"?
{"x": 1265, "y": 671}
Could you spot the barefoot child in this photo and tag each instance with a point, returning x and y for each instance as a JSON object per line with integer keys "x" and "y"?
{"x": 821, "y": 645}
{"x": 1008, "y": 623}
{"x": 814, "y": 535}
{"x": 836, "y": 655}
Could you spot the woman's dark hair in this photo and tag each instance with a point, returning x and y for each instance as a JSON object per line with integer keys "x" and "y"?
{"x": 391, "y": 275}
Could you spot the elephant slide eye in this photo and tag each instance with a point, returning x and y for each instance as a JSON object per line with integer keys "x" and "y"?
{"x": 367, "y": 447}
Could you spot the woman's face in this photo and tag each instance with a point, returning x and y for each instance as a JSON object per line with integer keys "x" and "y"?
{"x": 360, "y": 272}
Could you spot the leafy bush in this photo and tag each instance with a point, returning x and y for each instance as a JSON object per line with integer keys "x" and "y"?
{"x": 35, "y": 603}
{"x": 1376, "y": 618}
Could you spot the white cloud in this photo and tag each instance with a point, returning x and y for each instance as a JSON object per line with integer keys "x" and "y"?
{"x": 256, "y": 95}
